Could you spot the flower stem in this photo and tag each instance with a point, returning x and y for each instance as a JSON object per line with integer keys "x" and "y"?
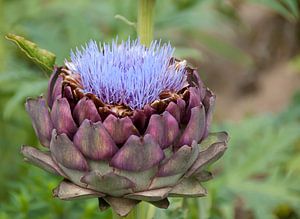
{"x": 142, "y": 211}
{"x": 145, "y": 21}
{"x": 2, "y": 27}
{"x": 131, "y": 215}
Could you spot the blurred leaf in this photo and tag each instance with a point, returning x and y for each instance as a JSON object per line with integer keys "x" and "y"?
{"x": 184, "y": 52}
{"x": 23, "y": 91}
{"x": 256, "y": 168}
{"x": 226, "y": 49}
{"x": 295, "y": 63}
{"x": 294, "y": 165}
{"x": 293, "y": 5}
{"x": 183, "y": 4}
{"x": 287, "y": 8}
{"x": 40, "y": 56}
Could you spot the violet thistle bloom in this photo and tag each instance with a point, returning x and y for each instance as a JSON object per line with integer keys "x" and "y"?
{"x": 124, "y": 124}
{"x": 127, "y": 74}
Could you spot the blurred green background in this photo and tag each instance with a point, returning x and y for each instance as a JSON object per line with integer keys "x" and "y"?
{"x": 247, "y": 51}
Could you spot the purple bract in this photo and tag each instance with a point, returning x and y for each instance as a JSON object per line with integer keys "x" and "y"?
{"x": 124, "y": 124}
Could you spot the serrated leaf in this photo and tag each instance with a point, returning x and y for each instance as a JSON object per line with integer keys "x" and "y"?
{"x": 42, "y": 57}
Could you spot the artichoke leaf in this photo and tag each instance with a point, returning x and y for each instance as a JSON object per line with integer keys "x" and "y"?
{"x": 41, "y": 57}
{"x": 69, "y": 191}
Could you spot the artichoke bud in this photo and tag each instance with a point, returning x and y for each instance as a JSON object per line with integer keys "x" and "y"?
{"x": 125, "y": 123}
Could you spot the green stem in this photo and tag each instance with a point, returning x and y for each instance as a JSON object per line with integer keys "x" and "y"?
{"x": 145, "y": 21}
{"x": 142, "y": 211}
{"x": 2, "y": 28}
{"x": 131, "y": 215}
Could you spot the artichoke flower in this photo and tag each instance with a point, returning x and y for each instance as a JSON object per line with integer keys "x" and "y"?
{"x": 125, "y": 123}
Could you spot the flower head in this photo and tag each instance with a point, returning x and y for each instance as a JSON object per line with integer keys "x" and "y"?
{"x": 128, "y": 73}
{"x": 124, "y": 124}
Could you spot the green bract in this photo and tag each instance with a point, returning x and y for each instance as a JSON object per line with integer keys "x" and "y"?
{"x": 42, "y": 57}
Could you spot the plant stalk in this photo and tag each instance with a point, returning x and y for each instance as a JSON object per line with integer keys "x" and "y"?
{"x": 131, "y": 215}
{"x": 145, "y": 21}
{"x": 141, "y": 211}
{"x": 2, "y": 45}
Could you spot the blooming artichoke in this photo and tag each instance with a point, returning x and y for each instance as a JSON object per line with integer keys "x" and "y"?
{"x": 125, "y": 123}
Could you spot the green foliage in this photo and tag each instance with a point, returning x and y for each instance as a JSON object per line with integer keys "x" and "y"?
{"x": 31, "y": 197}
{"x": 295, "y": 63}
{"x": 290, "y": 9}
{"x": 256, "y": 169}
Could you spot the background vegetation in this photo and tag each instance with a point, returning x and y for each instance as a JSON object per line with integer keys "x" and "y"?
{"x": 246, "y": 50}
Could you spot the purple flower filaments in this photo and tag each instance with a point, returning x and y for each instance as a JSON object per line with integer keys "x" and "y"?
{"x": 128, "y": 73}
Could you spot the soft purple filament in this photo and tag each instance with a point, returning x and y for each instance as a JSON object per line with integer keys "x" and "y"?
{"x": 127, "y": 73}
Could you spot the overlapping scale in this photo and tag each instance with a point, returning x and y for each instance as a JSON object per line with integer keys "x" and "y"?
{"x": 65, "y": 153}
{"x": 94, "y": 141}
{"x": 138, "y": 154}
{"x": 195, "y": 128}
{"x": 40, "y": 117}
{"x": 62, "y": 118}
{"x": 163, "y": 128}
{"x": 85, "y": 109}
{"x": 124, "y": 157}
{"x": 120, "y": 129}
